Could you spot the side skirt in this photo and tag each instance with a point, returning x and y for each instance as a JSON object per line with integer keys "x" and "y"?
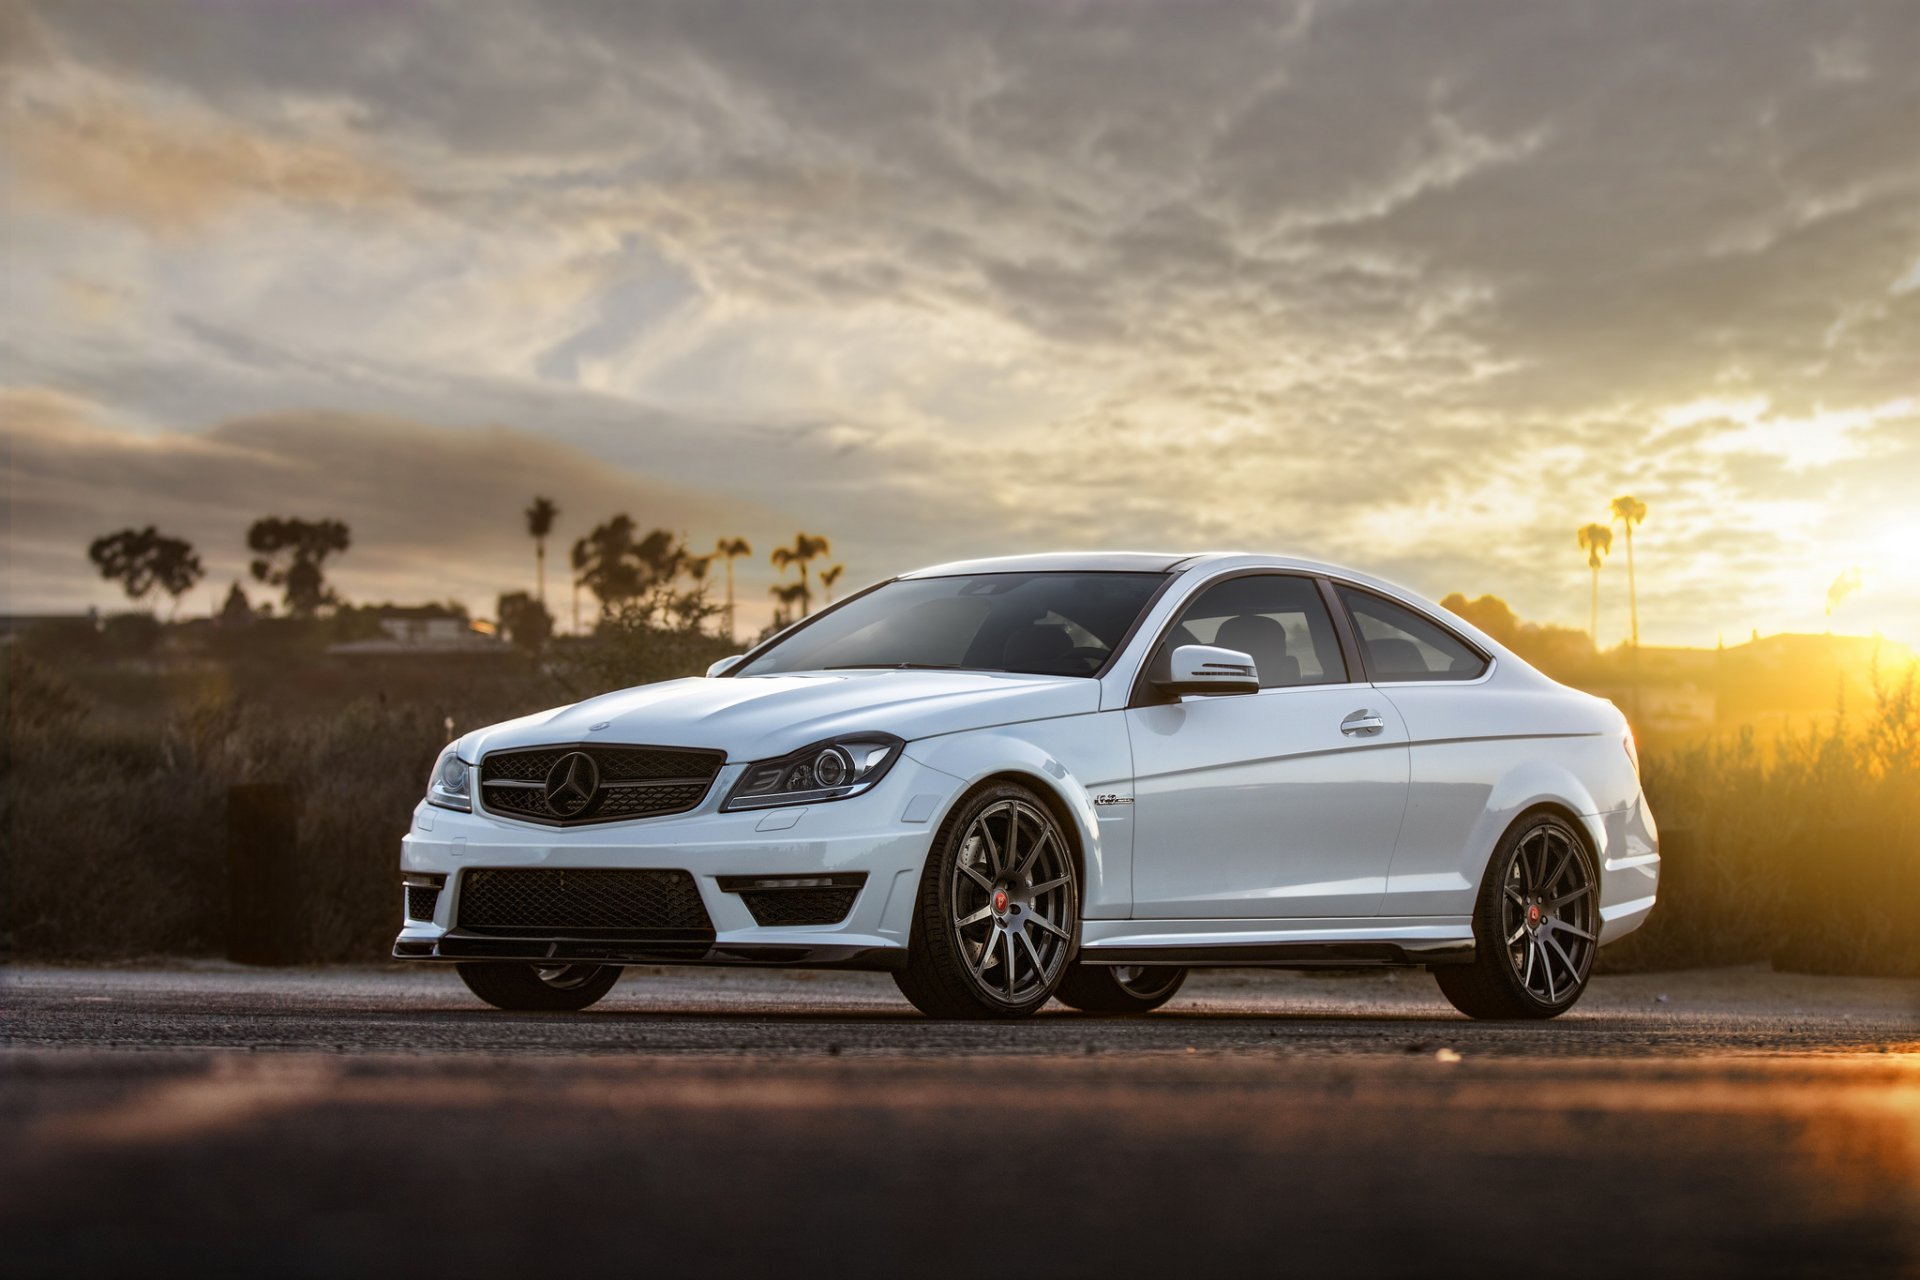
{"x": 1286, "y": 955}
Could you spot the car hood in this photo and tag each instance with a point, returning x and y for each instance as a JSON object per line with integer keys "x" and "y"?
{"x": 756, "y": 717}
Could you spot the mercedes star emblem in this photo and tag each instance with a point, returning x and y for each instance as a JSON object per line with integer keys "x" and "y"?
{"x": 571, "y": 783}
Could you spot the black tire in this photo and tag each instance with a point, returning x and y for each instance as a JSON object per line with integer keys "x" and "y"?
{"x": 962, "y": 958}
{"x": 1108, "y": 988}
{"x": 1538, "y": 915}
{"x": 527, "y": 988}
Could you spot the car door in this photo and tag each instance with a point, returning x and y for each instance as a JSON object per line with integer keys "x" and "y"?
{"x": 1284, "y": 803}
{"x": 1462, "y": 738}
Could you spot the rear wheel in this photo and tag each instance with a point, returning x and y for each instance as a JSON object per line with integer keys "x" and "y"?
{"x": 536, "y": 988}
{"x": 1119, "y": 988}
{"x": 1536, "y": 926}
{"x": 997, "y": 912}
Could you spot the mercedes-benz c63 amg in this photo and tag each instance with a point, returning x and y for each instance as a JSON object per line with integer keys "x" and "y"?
{"x": 1069, "y": 777}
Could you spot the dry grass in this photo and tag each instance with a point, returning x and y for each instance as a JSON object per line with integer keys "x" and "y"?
{"x": 1806, "y": 853}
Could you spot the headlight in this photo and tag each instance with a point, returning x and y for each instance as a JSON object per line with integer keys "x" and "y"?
{"x": 451, "y": 786}
{"x": 831, "y": 770}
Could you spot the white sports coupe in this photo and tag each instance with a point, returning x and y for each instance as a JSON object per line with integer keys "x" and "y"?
{"x": 1068, "y": 777}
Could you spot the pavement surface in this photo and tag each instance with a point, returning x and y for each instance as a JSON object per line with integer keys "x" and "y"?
{"x": 215, "y": 1120}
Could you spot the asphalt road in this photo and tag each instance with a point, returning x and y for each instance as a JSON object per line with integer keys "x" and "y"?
{"x": 214, "y": 1120}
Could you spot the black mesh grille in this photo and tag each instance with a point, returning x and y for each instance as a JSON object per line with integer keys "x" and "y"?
{"x": 420, "y": 901}
{"x": 674, "y": 798}
{"x": 544, "y": 901}
{"x": 800, "y": 906}
{"x": 677, "y": 780}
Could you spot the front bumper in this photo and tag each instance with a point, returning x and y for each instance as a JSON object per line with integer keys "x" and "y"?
{"x": 883, "y": 835}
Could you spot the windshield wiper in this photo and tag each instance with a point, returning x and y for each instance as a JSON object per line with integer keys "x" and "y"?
{"x": 895, "y": 666}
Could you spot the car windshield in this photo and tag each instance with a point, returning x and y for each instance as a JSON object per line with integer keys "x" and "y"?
{"x": 1060, "y": 624}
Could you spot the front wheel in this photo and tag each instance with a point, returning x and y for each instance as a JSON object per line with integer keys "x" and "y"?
{"x": 997, "y": 911}
{"x": 1536, "y": 926}
{"x": 1119, "y": 988}
{"x": 539, "y": 988}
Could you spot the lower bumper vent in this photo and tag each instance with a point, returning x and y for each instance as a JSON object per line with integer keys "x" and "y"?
{"x": 546, "y": 902}
{"x": 797, "y": 900}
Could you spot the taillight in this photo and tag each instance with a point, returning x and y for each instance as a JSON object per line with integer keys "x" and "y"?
{"x": 1633, "y": 750}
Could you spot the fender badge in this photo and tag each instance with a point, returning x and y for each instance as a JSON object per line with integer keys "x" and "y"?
{"x": 1110, "y": 798}
{"x": 595, "y": 728}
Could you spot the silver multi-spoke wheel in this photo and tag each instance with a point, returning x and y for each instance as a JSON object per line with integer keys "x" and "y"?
{"x": 1011, "y": 895}
{"x": 1536, "y": 925}
{"x": 1548, "y": 914}
{"x": 998, "y": 910}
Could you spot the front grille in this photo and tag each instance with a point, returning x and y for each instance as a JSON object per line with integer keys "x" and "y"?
{"x": 421, "y": 899}
{"x": 633, "y": 782}
{"x": 799, "y": 906}
{"x": 651, "y": 906}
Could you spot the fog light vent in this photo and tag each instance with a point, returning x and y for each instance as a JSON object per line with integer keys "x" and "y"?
{"x": 423, "y": 894}
{"x": 797, "y": 900}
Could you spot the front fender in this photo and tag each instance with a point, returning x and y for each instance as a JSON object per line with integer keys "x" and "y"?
{"x": 974, "y": 758}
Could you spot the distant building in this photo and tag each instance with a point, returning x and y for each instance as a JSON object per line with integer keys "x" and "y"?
{"x": 1771, "y": 683}
{"x": 422, "y": 629}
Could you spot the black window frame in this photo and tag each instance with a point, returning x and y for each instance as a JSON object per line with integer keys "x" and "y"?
{"x": 1352, "y": 633}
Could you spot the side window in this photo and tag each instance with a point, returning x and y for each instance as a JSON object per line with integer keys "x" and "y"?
{"x": 1278, "y": 619}
{"x": 1400, "y": 644}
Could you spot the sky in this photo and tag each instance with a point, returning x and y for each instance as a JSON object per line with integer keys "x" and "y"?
{"x": 1415, "y": 287}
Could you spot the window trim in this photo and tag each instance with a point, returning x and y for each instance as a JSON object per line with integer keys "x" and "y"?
{"x": 1143, "y": 694}
{"x": 1335, "y": 585}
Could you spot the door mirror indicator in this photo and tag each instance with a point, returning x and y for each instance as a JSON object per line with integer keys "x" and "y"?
{"x": 1205, "y": 669}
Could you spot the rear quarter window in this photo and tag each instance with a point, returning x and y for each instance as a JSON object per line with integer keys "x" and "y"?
{"x": 1402, "y": 645}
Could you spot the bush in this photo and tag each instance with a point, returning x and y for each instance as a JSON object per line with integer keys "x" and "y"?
{"x": 114, "y": 807}
{"x": 1807, "y": 855}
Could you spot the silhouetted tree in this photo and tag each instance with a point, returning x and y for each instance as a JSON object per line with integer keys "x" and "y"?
{"x": 1596, "y": 540}
{"x": 290, "y": 553}
{"x": 1630, "y": 511}
{"x": 620, "y": 567}
{"x": 827, "y": 578}
{"x": 1849, "y": 582}
{"x": 1556, "y": 650}
{"x": 806, "y": 548}
{"x": 540, "y": 518}
{"x": 730, "y": 549}
{"x": 142, "y": 560}
{"x": 1489, "y": 613}
{"x": 238, "y": 610}
{"x": 524, "y": 620}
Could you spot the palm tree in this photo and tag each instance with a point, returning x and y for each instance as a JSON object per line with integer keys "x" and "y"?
{"x": 806, "y": 547}
{"x": 731, "y": 549}
{"x": 581, "y": 558}
{"x": 1631, "y": 511}
{"x": 828, "y": 577}
{"x": 540, "y": 517}
{"x": 1596, "y": 540}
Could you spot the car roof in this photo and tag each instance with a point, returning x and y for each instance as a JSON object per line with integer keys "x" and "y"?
{"x": 1113, "y": 562}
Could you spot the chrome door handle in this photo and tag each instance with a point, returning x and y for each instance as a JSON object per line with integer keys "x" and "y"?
{"x": 1362, "y": 724}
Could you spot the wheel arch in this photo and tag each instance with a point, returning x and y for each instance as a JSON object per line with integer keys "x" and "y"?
{"x": 979, "y": 763}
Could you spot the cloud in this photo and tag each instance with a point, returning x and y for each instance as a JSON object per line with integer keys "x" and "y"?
{"x": 84, "y": 142}
{"x": 1416, "y": 286}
